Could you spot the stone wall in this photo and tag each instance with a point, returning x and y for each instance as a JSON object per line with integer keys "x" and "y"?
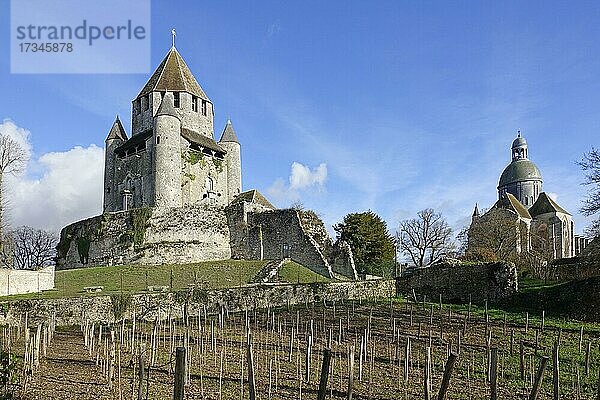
{"x": 146, "y": 236}
{"x": 460, "y": 282}
{"x": 279, "y": 234}
{"x": 204, "y": 232}
{"x": 566, "y": 269}
{"x": 70, "y": 311}
{"x": 18, "y": 281}
{"x": 258, "y": 233}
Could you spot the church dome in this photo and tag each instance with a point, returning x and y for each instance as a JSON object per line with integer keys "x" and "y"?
{"x": 518, "y": 171}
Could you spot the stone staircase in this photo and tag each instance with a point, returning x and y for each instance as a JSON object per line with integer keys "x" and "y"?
{"x": 269, "y": 271}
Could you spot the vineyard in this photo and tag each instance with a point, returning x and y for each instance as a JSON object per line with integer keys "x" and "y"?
{"x": 388, "y": 349}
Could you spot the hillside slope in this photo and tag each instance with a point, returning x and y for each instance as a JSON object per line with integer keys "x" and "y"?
{"x": 578, "y": 299}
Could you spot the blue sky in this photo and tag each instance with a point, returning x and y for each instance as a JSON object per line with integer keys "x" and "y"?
{"x": 392, "y": 106}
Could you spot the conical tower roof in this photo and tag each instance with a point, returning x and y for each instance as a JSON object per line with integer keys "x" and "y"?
{"x": 173, "y": 75}
{"x": 228, "y": 133}
{"x": 166, "y": 106}
{"x": 117, "y": 131}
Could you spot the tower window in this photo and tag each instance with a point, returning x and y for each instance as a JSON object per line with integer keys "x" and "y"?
{"x": 158, "y": 140}
{"x": 176, "y": 100}
{"x": 204, "y": 106}
{"x": 194, "y": 103}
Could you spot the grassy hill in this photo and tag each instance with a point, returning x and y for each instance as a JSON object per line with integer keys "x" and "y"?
{"x": 293, "y": 272}
{"x": 579, "y": 299}
{"x": 136, "y": 278}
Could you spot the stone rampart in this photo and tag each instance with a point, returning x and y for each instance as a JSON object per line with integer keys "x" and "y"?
{"x": 70, "y": 311}
{"x": 460, "y": 282}
{"x": 146, "y": 236}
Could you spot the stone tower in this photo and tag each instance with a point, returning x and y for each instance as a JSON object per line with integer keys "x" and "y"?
{"x": 167, "y": 155}
{"x": 229, "y": 142}
{"x": 171, "y": 159}
{"x": 116, "y": 137}
{"x": 521, "y": 177}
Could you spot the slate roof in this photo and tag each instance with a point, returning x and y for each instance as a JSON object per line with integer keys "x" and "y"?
{"x": 228, "y": 133}
{"x": 166, "y": 106}
{"x": 201, "y": 140}
{"x": 510, "y": 202}
{"x": 544, "y": 204}
{"x": 173, "y": 75}
{"x": 117, "y": 131}
{"x": 519, "y": 170}
{"x": 134, "y": 141}
{"x": 253, "y": 196}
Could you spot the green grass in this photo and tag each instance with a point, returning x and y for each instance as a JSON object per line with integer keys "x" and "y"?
{"x": 293, "y": 272}
{"x": 136, "y": 278}
{"x": 531, "y": 284}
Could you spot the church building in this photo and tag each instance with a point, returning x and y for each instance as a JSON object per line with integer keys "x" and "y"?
{"x": 537, "y": 224}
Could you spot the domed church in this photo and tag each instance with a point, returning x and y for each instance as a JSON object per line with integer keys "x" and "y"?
{"x": 541, "y": 227}
{"x": 521, "y": 178}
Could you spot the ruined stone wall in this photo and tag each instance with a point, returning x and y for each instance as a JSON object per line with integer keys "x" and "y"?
{"x": 299, "y": 235}
{"x": 146, "y": 236}
{"x": 70, "y": 311}
{"x": 280, "y": 234}
{"x": 461, "y": 282}
{"x": 573, "y": 268}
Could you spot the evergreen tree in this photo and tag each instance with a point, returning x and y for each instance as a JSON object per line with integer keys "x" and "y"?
{"x": 372, "y": 245}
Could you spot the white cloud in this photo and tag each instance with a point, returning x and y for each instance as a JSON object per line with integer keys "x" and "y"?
{"x": 57, "y": 188}
{"x": 301, "y": 178}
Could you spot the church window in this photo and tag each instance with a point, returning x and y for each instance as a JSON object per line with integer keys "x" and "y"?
{"x": 204, "y": 106}
{"x": 526, "y": 200}
{"x": 210, "y": 184}
{"x": 194, "y": 103}
{"x": 158, "y": 140}
{"x": 176, "y": 99}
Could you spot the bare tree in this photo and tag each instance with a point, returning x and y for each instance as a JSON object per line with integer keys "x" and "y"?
{"x": 495, "y": 236}
{"x": 591, "y": 205}
{"x": 30, "y": 248}
{"x": 425, "y": 239}
{"x": 13, "y": 159}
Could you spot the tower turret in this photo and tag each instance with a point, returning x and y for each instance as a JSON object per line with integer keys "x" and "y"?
{"x": 519, "y": 148}
{"x": 521, "y": 177}
{"x": 116, "y": 137}
{"x": 230, "y": 143}
{"x": 476, "y": 213}
{"x": 167, "y": 155}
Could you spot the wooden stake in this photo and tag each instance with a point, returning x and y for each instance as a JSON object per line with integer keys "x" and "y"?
{"x": 538, "y": 379}
{"x": 427, "y": 374}
{"x": 350, "y": 373}
{"x": 447, "y": 373}
{"x": 494, "y": 374}
{"x": 324, "y": 374}
{"x": 179, "y": 386}
{"x": 250, "y": 362}
{"x": 556, "y": 372}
